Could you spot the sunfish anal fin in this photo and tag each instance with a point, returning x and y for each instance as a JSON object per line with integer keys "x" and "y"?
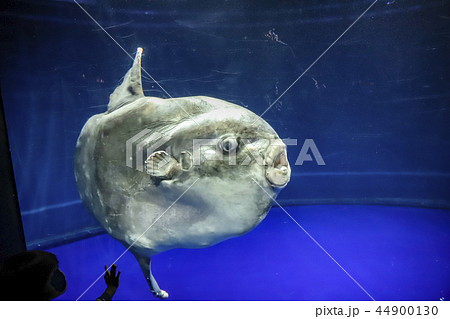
{"x": 131, "y": 87}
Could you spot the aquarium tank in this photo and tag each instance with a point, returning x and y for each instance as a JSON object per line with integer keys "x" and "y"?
{"x": 357, "y": 90}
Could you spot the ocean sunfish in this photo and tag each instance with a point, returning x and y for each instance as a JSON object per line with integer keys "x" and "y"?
{"x": 186, "y": 172}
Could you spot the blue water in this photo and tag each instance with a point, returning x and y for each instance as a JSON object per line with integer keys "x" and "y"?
{"x": 394, "y": 253}
{"x": 375, "y": 105}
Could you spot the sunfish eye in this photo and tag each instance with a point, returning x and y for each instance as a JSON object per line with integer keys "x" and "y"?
{"x": 228, "y": 144}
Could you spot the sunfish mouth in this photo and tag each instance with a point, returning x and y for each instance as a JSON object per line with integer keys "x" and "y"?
{"x": 278, "y": 171}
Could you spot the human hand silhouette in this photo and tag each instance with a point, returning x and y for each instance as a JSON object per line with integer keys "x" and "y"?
{"x": 111, "y": 279}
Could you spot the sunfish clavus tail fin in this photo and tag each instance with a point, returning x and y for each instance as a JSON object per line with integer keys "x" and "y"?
{"x": 131, "y": 87}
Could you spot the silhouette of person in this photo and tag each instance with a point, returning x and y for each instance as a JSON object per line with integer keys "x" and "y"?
{"x": 34, "y": 275}
{"x": 31, "y": 275}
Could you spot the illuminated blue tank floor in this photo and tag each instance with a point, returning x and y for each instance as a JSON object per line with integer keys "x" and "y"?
{"x": 394, "y": 253}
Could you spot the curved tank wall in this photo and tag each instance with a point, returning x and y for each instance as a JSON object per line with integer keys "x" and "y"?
{"x": 370, "y": 118}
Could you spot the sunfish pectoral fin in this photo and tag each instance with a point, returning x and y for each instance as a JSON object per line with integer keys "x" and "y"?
{"x": 162, "y": 165}
{"x": 131, "y": 87}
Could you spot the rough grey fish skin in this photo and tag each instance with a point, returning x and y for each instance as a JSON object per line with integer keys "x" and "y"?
{"x": 179, "y": 195}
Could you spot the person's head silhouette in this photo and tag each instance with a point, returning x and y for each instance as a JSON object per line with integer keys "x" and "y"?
{"x": 31, "y": 275}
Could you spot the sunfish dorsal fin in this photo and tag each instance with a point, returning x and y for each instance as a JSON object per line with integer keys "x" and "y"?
{"x": 131, "y": 87}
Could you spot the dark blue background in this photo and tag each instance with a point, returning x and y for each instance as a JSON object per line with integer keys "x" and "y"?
{"x": 376, "y": 104}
